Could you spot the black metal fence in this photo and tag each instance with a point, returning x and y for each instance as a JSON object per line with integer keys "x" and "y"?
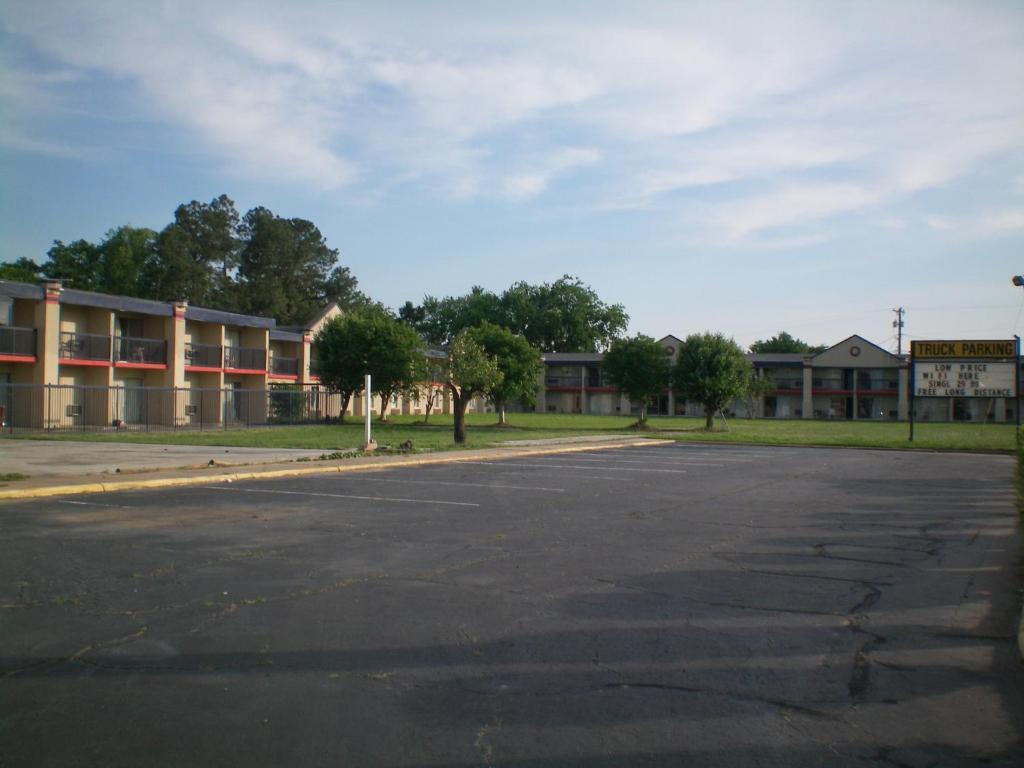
{"x": 59, "y": 407}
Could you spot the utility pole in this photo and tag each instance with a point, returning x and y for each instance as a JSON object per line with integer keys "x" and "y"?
{"x": 898, "y": 325}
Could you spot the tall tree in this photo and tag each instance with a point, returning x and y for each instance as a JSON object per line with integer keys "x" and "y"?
{"x": 471, "y": 373}
{"x": 198, "y": 253}
{"x": 439, "y": 321}
{"x": 712, "y": 370}
{"x": 286, "y": 269}
{"x": 564, "y": 316}
{"x": 519, "y": 363}
{"x": 76, "y": 264}
{"x": 784, "y": 342}
{"x": 126, "y": 256}
{"x": 22, "y": 270}
{"x": 639, "y": 368}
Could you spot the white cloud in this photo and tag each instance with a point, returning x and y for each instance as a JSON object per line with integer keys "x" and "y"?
{"x": 791, "y": 205}
{"x": 785, "y": 115}
{"x": 1003, "y": 222}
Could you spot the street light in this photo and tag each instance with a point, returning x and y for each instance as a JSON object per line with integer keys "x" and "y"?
{"x": 1018, "y": 280}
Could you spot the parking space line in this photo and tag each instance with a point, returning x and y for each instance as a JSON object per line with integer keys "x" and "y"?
{"x": 698, "y": 461}
{"x": 341, "y": 496}
{"x": 575, "y": 466}
{"x": 469, "y": 485}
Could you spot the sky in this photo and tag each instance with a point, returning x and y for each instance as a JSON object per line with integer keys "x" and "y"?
{"x": 736, "y": 167}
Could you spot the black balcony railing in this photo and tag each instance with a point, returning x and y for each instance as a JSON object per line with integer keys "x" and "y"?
{"x": 245, "y": 358}
{"x": 17, "y": 341}
{"x": 203, "y": 355}
{"x": 135, "y": 350}
{"x": 575, "y": 382}
{"x": 284, "y": 366}
{"x": 84, "y": 346}
{"x": 788, "y": 383}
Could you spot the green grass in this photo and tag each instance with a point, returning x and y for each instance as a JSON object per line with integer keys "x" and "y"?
{"x": 483, "y": 432}
{"x": 861, "y": 434}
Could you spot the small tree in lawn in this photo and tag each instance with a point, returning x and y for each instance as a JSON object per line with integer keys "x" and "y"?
{"x": 471, "y": 372}
{"x": 372, "y": 342}
{"x": 433, "y": 371}
{"x": 340, "y": 347}
{"x": 711, "y": 370}
{"x": 757, "y": 387}
{"x": 395, "y": 358}
{"x": 519, "y": 363}
{"x": 639, "y": 368}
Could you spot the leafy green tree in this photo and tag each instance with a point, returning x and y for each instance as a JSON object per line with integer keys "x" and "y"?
{"x": 757, "y": 387}
{"x": 639, "y": 368}
{"x": 76, "y": 264}
{"x": 372, "y": 342}
{"x": 712, "y": 370}
{"x": 519, "y": 363}
{"x": 286, "y": 269}
{"x": 126, "y": 256}
{"x": 431, "y": 376}
{"x": 471, "y": 373}
{"x": 439, "y": 321}
{"x": 784, "y": 342}
{"x": 197, "y": 254}
{"x": 563, "y": 316}
{"x": 340, "y": 357}
{"x": 22, "y": 270}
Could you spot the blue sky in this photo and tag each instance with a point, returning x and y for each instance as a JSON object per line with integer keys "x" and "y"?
{"x": 738, "y": 167}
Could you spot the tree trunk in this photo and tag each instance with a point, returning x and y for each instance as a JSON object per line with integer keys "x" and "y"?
{"x": 346, "y": 398}
{"x": 709, "y": 422}
{"x": 385, "y": 401}
{"x": 502, "y": 420}
{"x": 643, "y": 413}
{"x": 459, "y": 405}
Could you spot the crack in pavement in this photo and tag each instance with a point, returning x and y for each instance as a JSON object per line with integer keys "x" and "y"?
{"x": 780, "y": 703}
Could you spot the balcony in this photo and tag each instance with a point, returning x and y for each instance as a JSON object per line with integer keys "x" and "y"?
{"x": 791, "y": 383}
{"x": 17, "y": 341}
{"x": 284, "y": 366}
{"x": 203, "y": 355}
{"x": 143, "y": 351}
{"x": 245, "y": 358}
{"x": 92, "y": 347}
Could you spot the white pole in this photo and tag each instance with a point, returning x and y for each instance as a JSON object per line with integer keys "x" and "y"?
{"x": 367, "y": 412}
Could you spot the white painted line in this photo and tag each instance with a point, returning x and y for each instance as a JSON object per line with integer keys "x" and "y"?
{"x": 470, "y": 485}
{"x": 340, "y": 496}
{"x": 575, "y": 466}
{"x": 705, "y": 462}
{"x": 92, "y": 504}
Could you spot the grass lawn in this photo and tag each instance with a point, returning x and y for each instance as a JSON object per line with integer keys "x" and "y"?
{"x": 483, "y": 432}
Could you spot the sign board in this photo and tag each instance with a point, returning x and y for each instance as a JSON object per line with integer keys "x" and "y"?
{"x": 964, "y": 379}
{"x": 965, "y": 368}
{"x": 962, "y": 350}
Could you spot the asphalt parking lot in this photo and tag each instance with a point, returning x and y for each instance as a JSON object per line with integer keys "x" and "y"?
{"x": 676, "y": 605}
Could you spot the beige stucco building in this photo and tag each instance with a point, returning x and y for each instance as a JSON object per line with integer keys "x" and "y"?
{"x": 71, "y": 358}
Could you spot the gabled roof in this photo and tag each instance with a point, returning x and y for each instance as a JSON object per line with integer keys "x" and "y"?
{"x": 670, "y": 338}
{"x": 859, "y": 353}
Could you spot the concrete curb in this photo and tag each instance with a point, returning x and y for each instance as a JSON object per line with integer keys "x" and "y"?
{"x": 381, "y": 463}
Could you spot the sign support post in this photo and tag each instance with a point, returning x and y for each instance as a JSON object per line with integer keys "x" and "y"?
{"x": 913, "y": 387}
{"x": 1016, "y": 382}
{"x": 368, "y": 443}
